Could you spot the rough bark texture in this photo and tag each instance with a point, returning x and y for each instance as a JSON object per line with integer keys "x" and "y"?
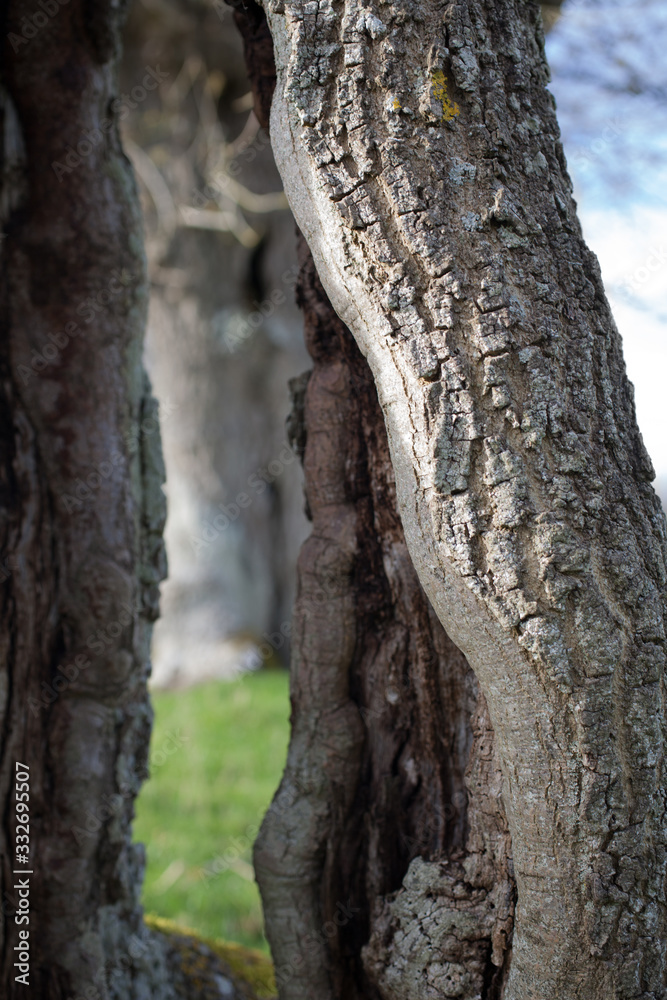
{"x": 83, "y": 512}
{"x": 419, "y": 150}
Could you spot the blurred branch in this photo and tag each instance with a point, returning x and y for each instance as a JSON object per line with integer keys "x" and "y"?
{"x": 220, "y": 221}
{"x": 243, "y": 140}
{"x": 195, "y": 86}
{"x": 156, "y": 186}
{"x": 249, "y": 200}
{"x": 245, "y": 103}
{"x": 184, "y": 82}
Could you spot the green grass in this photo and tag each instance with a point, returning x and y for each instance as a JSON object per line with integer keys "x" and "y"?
{"x": 217, "y": 754}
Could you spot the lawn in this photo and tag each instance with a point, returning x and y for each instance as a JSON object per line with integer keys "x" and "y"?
{"x": 217, "y": 754}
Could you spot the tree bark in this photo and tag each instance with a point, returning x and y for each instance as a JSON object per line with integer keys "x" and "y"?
{"x": 411, "y": 793}
{"x": 83, "y": 513}
{"x": 419, "y": 150}
{"x": 82, "y": 552}
{"x": 392, "y": 782}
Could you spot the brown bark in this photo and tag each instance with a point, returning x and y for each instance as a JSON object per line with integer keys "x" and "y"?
{"x": 258, "y": 47}
{"x": 373, "y": 820}
{"x": 81, "y": 530}
{"x": 83, "y": 509}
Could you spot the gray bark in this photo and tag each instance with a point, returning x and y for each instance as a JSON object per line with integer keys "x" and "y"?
{"x": 420, "y": 154}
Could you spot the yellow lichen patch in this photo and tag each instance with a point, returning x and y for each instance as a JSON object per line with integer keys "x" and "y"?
{"x": 250, "y": 965}
{"x": 397, "y": 104}
{"x": 200, "y": 958}
{"x": 450, "y": 109}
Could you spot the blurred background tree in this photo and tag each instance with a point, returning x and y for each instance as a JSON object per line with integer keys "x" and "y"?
{"x": 224, "y": 338}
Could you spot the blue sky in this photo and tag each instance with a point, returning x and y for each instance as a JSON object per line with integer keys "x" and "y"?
{"x": 609, "y": 76}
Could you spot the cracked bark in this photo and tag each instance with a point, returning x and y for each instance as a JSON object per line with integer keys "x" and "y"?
{"x": 420, "y": 154}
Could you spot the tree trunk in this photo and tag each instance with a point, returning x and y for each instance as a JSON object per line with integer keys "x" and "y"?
{"x": 84, "y": 510}
{"x": 419, "y": 150}
{"x": 417, "y": 780}
{"x": 392, "y": 777}
{"x": 82, "y": 552}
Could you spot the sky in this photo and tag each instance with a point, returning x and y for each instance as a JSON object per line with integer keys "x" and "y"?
{"x": 609, "y": 77}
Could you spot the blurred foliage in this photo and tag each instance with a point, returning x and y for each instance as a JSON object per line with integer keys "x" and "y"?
{"x": 217, "y": 755}
{"x": 550, "y": 13}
